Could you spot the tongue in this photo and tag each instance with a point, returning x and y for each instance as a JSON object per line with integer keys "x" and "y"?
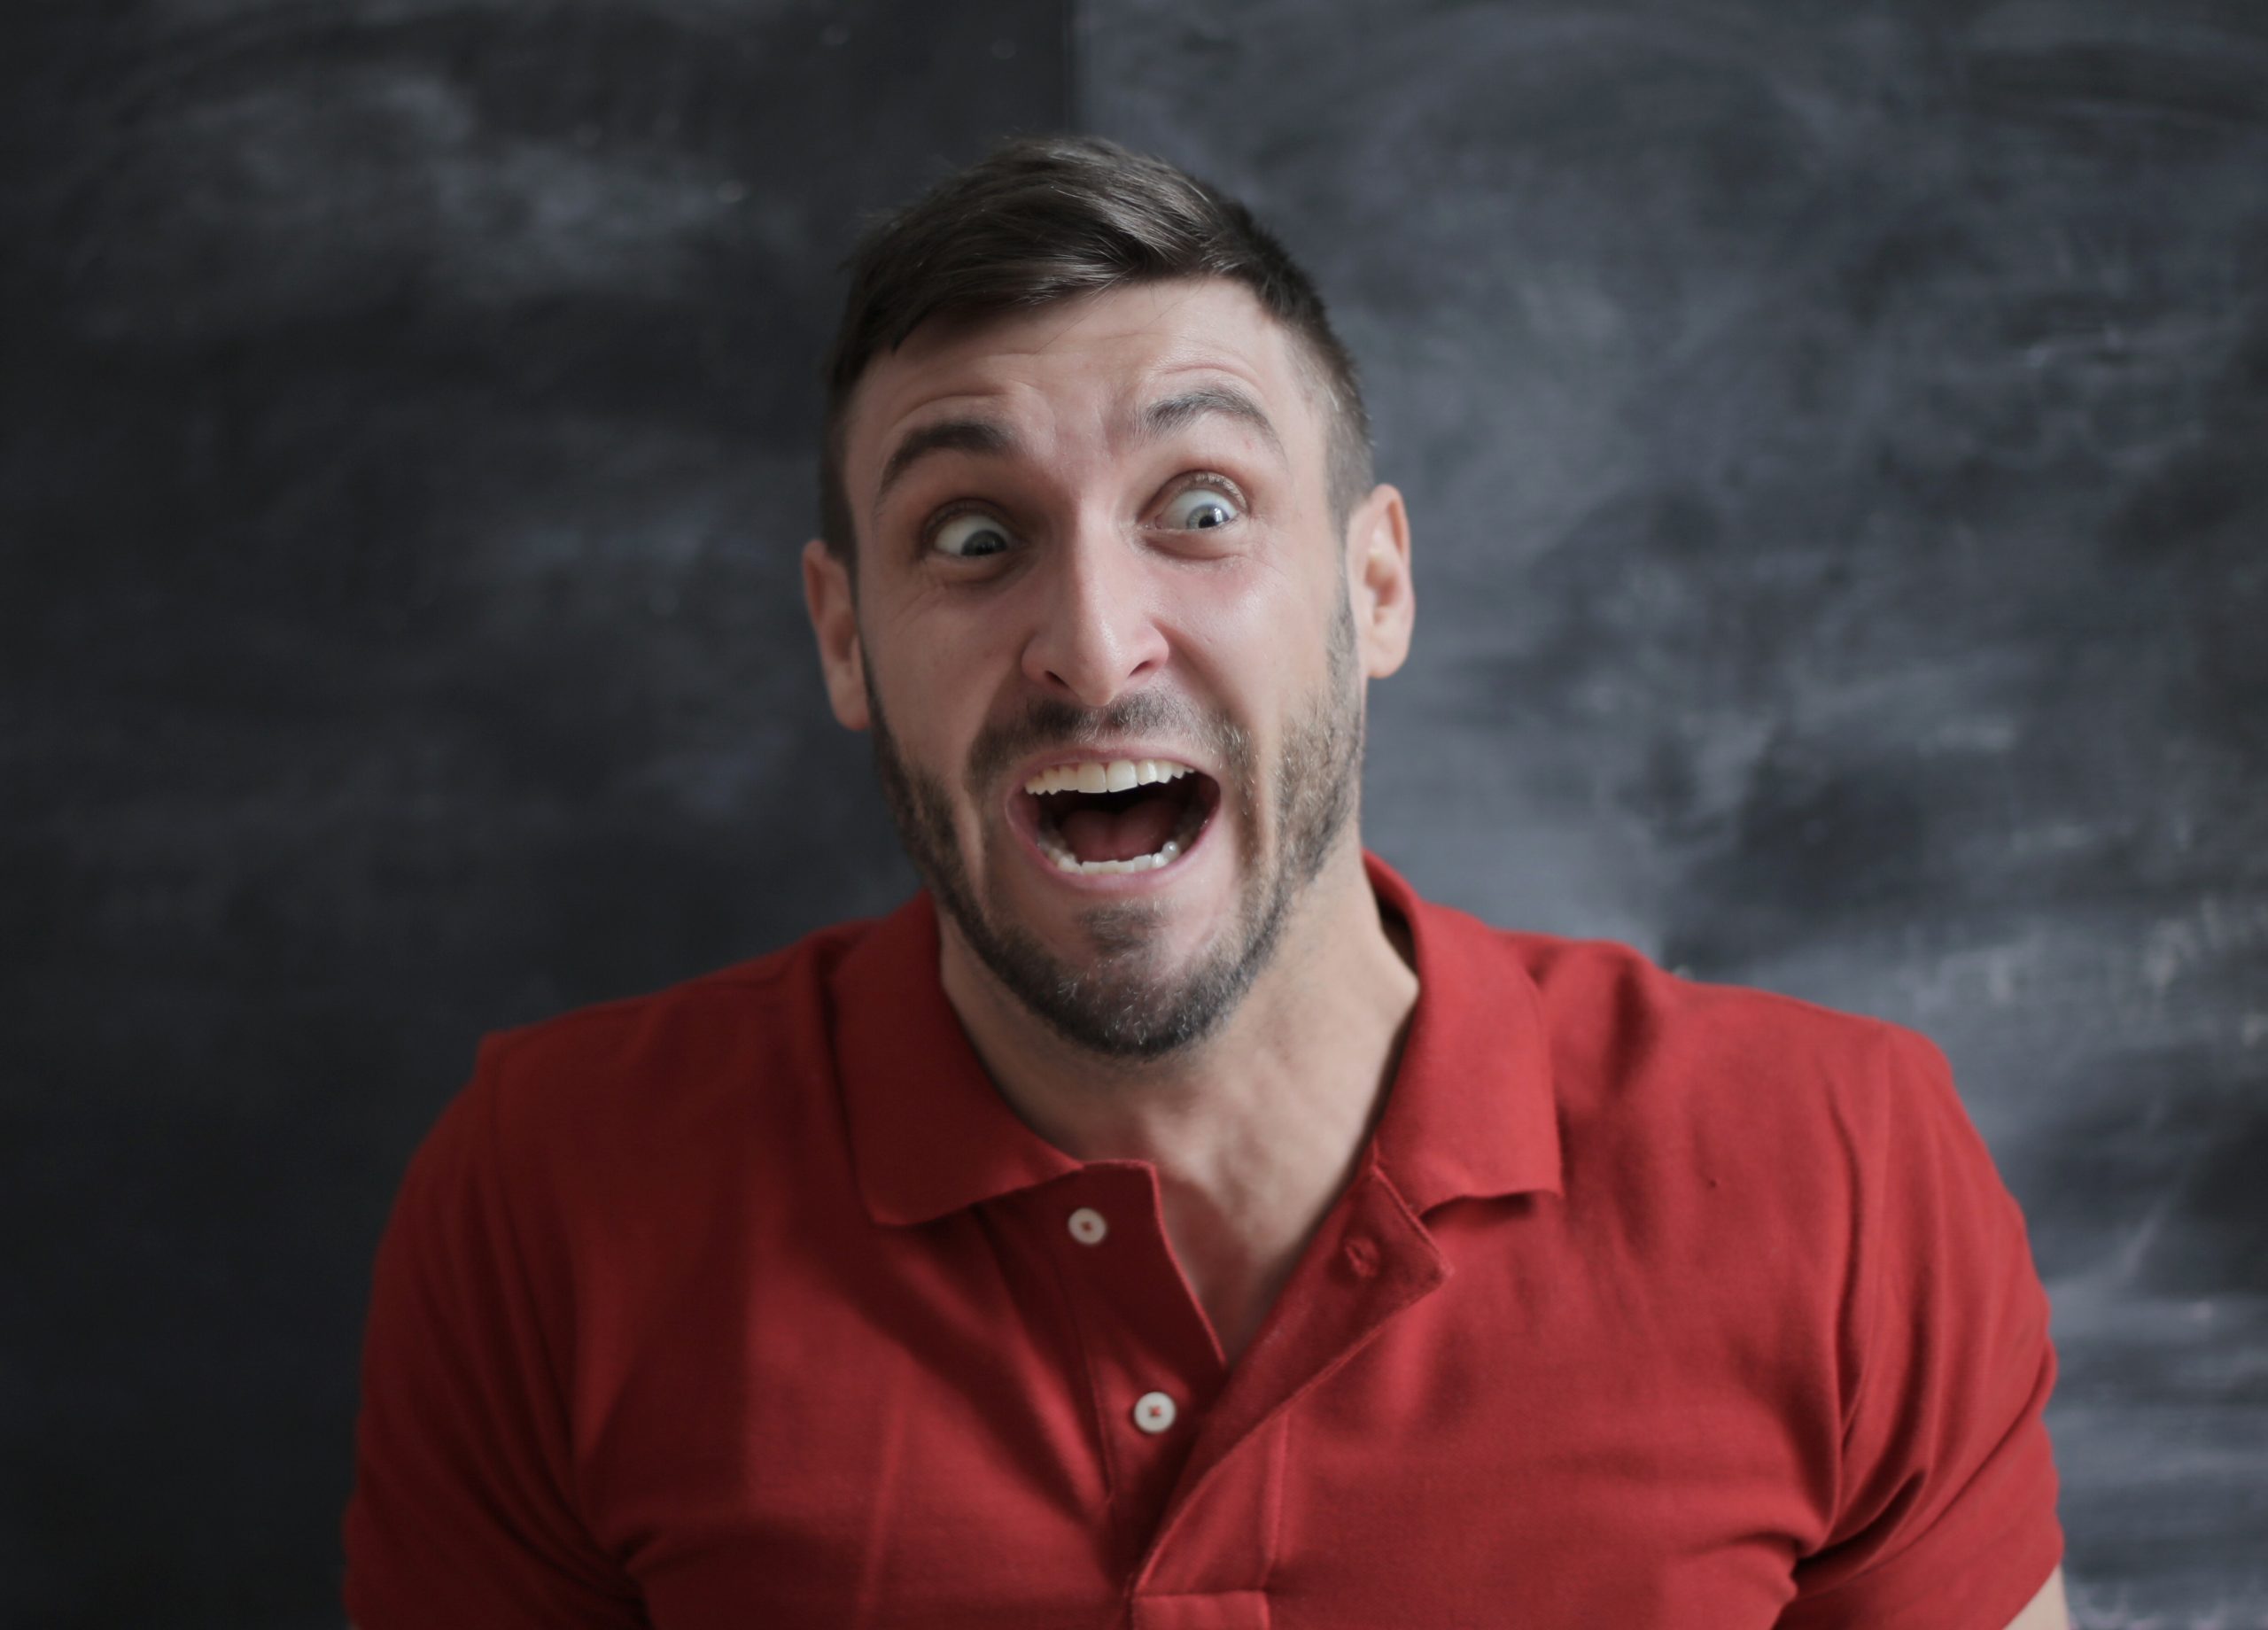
{"x": 1140, "y": 829}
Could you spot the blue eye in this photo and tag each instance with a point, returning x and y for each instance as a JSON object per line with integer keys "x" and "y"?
{"x": 1199, "y": 509}
{"x": 971, "y": 537}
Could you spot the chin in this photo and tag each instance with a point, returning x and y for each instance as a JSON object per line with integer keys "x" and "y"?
{"x": 1131, "y": 978}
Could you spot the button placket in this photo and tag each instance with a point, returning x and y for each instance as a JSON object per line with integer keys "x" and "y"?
{"x": 1152, "y": 1365}
{"x": 1154, "y": 1412}
{"x": 1342, "y": 1294}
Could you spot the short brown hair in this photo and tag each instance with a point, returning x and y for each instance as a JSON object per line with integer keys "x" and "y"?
{"x": 1048, "y": 218}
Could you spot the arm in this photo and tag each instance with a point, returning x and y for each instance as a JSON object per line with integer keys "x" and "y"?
{"x": 1945, "y": 1496}
{"x": 465, "y": 1514}
{"x": 2047, "y": 1610}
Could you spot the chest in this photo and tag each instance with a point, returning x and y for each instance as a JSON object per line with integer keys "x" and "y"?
{"x": 971, "y": 1434}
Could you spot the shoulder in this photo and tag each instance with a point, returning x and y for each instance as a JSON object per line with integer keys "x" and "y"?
{"x": 1730, "y": 1113}
{"x": 596, "y": 1096}
{"x": 1628, "y": 1037}
{"x": 1814, "y": 1170}
{"x": 770, "y": 1009}
{"x": 1609, "y": 1002}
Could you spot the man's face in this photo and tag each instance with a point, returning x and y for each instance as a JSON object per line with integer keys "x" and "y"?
{"x": 1095, "y": 547}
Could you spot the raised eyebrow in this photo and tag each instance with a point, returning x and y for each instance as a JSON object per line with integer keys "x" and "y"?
{"x": 1170, "y": 414}
{"x": 981, "y": 436}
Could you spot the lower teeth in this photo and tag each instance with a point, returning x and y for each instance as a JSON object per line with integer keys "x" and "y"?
{"x": 1067, "y": 861}
{"x": 1193, "y": 817}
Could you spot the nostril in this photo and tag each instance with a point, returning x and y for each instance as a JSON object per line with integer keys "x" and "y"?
{"x": 1095, "y": 639}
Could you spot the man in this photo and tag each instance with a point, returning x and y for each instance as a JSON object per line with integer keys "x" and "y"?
{"x": 1168, "y": 1219}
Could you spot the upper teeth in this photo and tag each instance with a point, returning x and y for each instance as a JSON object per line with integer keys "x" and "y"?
{"x": 1115, "y": 776}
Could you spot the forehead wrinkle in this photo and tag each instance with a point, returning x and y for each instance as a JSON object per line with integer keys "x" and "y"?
{"x": 1229, "y": 375}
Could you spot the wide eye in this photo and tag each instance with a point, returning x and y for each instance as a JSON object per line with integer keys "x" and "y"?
{"x": 970, "y": 537}
{"x": 1198, "y": 509}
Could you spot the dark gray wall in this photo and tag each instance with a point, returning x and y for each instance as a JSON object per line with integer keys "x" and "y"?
{"x": 1838, "y": 441}
{"x": 1834, "y": 436}
{"x": 405, "y": 443}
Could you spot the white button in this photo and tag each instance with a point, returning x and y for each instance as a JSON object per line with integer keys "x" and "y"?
{"x": 1154, "y": 1412}
{"x": 1087, "y": 1226}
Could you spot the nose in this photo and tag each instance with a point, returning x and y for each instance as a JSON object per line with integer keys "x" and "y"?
{"x": 1096, "y": 635}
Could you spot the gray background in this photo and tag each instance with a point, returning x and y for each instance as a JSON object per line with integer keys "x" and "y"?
{"x": 1835, "y": 440}
{"x": 1837, "y": 445}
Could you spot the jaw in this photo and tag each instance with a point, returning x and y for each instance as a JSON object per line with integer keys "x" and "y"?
{"x": 1125, "y": 969}
{"x": 1126, "y": 965}
{"x": 1130, "y": 967}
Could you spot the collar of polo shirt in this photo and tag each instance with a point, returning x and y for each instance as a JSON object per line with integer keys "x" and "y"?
{"x": 1470, "y": 1114}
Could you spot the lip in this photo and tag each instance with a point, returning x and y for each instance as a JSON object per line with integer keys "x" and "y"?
{"x": 1024, "y": 822}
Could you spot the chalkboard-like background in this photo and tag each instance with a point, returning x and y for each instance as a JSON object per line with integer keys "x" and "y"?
{"x": 1837, "y": 438}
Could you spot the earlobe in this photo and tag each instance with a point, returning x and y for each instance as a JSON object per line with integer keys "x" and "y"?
{"x": 833, "y": 609}
{"x": 1378, "y": 584}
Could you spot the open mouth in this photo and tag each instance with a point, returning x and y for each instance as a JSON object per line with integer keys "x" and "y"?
{"x": 1104, "y": 817}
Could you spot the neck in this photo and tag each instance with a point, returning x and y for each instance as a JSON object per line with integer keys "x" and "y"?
{"x": 1256, "y": 1129}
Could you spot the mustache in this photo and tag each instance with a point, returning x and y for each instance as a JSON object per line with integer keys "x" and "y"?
{"x": 1049, "y": 722}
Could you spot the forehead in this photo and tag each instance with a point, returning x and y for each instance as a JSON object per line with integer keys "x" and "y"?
{"x": 1093, "y": 356}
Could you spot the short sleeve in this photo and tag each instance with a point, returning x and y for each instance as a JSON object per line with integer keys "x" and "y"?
{"x": 463, "y": 1512}
{"x": 1945, "y": 1508}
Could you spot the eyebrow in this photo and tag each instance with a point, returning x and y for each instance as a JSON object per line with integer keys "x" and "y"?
{"x": 991, "y": 439}
{"x": 982, "y": 435}
{"x": 1163, "y": 417}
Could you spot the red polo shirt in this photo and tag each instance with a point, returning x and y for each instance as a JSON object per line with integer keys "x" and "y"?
{"x": 1654, "y": 1303}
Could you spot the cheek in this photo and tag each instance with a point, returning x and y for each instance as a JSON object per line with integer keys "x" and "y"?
{"x": 1230, "y": 603}
{"x": 932, "y": 674}
{"x": 1259, "y": 630}
{"x": 935, "y": 637}
{"x": 911, "y": 649}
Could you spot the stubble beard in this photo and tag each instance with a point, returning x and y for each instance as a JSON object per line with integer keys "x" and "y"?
{"x": 1124, "y": 1002}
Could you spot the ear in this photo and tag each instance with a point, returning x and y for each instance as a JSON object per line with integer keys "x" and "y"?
{"x": 835, "y": 621}
{"x": 1378, "y": 580}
